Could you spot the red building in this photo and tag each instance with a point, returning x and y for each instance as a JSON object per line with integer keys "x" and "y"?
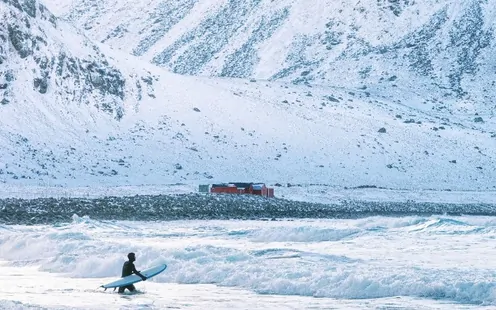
{"x": 243, "y": 188}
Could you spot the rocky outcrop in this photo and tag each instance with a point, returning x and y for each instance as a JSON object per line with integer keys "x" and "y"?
{"x": 80, "y": 79}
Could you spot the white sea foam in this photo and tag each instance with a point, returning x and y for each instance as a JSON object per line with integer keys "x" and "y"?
{"x": 434, "y": 258}
{"x": 302, "y": 234}
{"x": 15, "y": 305}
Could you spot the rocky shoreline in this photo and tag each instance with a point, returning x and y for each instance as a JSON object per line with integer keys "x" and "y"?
{"x": 16, "y": 211}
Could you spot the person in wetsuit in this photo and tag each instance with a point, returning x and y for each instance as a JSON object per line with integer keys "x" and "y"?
{"x": 127, "y": 270}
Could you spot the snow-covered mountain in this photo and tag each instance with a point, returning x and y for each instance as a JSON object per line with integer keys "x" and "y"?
{"x": 440, "y": 48}
{"x": 79, "y": 113}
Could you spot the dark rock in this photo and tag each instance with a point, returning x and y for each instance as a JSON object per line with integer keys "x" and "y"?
{"x": 478, "y": 120}
{"x": 106, "y": 79}
{"x": 196, "y": 110}
{"x": 305, "y": 73}
{"x": 14, "y": 3}
{"x": 46, "y": 15}
{"x": 148, "y": 80}
{"x": 41, "y": 84}
{"x": 382, "y": 130}
{"x": 42, "y": 62}
{"x": 331, "y": 98}
{"x": 365, "y": 186}
{"x": 9, "y": 76}
{"x": 29, "y": 6}
{"x": 21, "y": 41}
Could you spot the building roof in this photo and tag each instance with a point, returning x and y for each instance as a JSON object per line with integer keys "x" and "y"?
{"x": 245, "y": 185}
{"x": 258, "y": 186}
{"x": 220, "y": 185}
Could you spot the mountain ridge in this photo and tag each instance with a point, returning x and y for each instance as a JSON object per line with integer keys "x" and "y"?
{"x": 81, "y": 113}
{"x": 435, "y": 46}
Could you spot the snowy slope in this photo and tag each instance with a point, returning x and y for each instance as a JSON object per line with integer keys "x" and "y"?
{"x": 81, "y": 114}
{"x": 442, "y": 49}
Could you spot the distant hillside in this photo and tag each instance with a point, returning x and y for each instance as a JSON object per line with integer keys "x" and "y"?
{"x": 442, "y": 49}
{"x": 78, "y": 113}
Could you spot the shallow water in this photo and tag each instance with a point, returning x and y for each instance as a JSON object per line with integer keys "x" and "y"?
{"x": 436, "y": 262}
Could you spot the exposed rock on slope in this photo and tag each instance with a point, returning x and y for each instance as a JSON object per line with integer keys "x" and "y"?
{"x": 34, "y": 51}
{"x": 444, "y": 49}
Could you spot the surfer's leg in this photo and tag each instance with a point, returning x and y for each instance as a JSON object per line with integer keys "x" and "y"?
{"x": 131, "y": 288}
{"x": 121, "y": 289}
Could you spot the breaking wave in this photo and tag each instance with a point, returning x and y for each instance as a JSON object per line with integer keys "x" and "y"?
{"x": 16, "y": 305}
{"x": 302, "y": 234}
{"x": 281, "y": 257}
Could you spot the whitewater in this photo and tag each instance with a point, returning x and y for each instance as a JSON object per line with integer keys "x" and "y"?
{"x": 377, "y": 262}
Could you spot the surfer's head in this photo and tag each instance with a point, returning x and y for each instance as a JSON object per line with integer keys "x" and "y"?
{"x": 131, "y": 257}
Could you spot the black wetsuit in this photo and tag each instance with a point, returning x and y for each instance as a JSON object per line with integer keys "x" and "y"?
{"x": 127, "y": 270}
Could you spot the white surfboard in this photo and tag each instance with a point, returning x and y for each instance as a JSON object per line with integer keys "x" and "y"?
{"x": 148, "y": 273}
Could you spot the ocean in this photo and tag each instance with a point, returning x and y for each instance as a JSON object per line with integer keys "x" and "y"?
{"x": 366, "y": 261}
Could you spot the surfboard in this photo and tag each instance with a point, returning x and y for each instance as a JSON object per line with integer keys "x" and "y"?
{"x": 149, "y": 273}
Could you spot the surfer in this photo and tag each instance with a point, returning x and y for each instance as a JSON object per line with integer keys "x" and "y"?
{"x": 127, "y": 270}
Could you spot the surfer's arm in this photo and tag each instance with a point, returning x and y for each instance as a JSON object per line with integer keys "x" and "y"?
{"x": 138, "y": 273}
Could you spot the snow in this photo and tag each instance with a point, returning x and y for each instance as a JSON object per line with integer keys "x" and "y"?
{"x": 338, "y": 145}
{"x": 201, "y": 130}
{"x": 335, "y": 42}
